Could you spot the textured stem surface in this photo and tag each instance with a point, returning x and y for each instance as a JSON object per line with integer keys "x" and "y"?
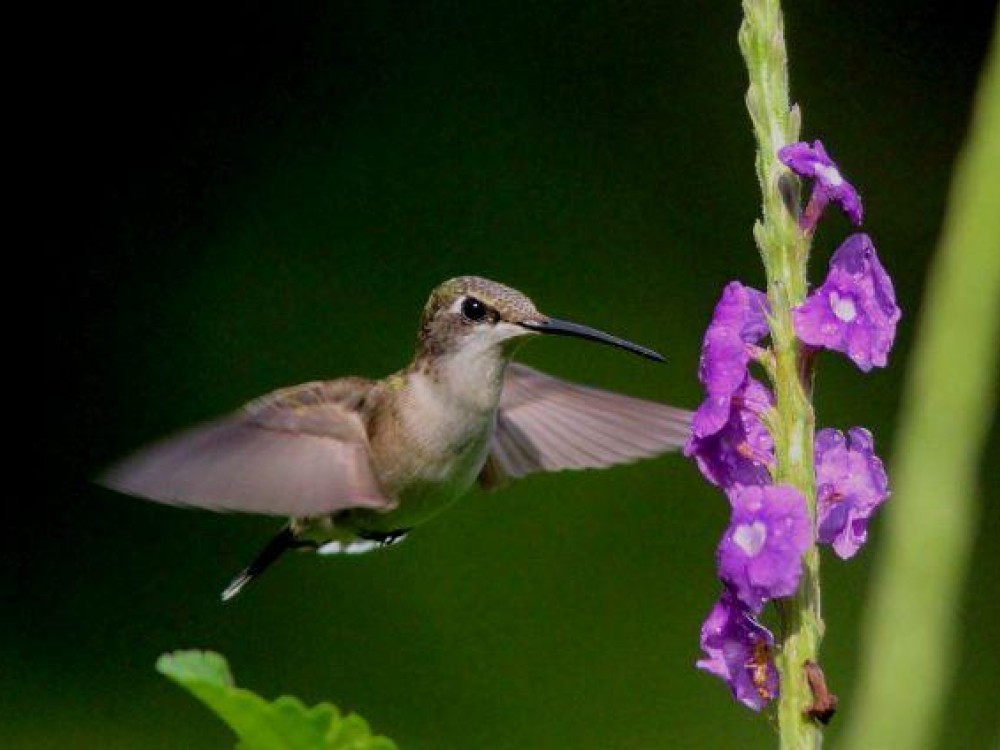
{"x": 784, "y": 249}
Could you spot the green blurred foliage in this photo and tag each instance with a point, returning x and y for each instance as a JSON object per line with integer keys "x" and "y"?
{"x": 948, "y": 407}
{"x": 249, "y": 197}
{"x": 283, "y": 724}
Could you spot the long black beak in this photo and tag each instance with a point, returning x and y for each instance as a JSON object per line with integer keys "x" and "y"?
{"x": 565, "y": 328}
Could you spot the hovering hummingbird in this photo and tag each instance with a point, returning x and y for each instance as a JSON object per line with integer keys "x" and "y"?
{"x": 357, "y": 463}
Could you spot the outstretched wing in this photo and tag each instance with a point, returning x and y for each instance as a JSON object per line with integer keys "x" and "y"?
{"x": 301, "y": 451}
{"x": 547, "y": 424}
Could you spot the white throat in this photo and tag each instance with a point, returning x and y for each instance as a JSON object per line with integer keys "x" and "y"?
{"x": 451, "y": 410}
{"x": 472, "y": 376}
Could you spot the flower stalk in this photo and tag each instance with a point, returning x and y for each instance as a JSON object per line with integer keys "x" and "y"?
{"x": 789, "y": 487}
{"x": 784, "y": 249}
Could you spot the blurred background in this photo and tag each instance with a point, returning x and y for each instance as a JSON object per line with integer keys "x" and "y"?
{"x": 246, "y": 197}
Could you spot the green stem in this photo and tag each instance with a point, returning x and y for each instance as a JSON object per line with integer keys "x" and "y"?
{"x": 784, "y": 248}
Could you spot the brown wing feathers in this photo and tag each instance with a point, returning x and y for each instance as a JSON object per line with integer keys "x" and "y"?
{"x": 299, "y": 452}
{"x": 303, "y": 451}
{"x": 547, "y": 424}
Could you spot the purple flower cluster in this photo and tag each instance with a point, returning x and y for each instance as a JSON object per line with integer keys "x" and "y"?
{"x": 759, "y": 558}
{"x": 739, "y": 650}
{"x": 729, "y": 441}
{"x": 829, "y": 185}
{"x": 850, "y": 485}
{"x": 760, "y": 555}
{"x": 855, "y": 310}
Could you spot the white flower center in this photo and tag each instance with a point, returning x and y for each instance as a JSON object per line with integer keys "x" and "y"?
{"x": 750, "y": 537}
{"x": 843, "y": 307}
{"x": 829, "y": 175}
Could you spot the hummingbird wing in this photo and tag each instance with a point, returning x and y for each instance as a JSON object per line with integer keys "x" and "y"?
{"x": 300, "y": 451}
{"x": 547, "y": 424}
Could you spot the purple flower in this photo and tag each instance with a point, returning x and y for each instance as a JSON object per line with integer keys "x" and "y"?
{"x": 738, "y": 322}
{"x": 850, "y": 485}
{"x": 829, "y": 186}
{"x": 739, "y": 650}
{"x": 741, "y": 452}
{"x": 855, "y": 310}
{"x": 760, "y": 556}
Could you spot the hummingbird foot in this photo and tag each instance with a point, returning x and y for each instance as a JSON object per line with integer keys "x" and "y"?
{"x": 385, "y": 538}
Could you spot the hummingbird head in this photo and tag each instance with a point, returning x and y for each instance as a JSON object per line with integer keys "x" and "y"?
{"x": 470, "y": 313}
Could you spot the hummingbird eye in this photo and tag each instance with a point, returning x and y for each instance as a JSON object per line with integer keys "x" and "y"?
{"x": 473, "y": 309}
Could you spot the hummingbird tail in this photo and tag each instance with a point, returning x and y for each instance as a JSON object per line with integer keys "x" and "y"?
{"x": 283, "y": 541}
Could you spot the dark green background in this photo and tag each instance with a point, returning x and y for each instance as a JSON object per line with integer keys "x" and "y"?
{"x": 242, "y": 198}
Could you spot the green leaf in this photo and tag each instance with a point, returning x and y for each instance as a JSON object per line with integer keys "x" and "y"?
{"x": 283, "y": 724}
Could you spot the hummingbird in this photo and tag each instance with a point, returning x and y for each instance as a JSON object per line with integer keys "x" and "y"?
{"x": 356, "y": 464}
